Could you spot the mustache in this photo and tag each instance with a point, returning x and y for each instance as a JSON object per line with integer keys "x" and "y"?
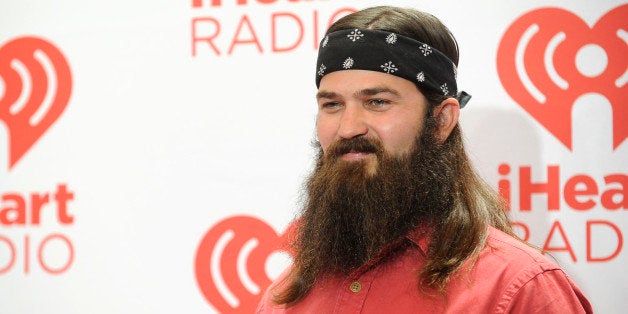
{"x": 357, "y": 144}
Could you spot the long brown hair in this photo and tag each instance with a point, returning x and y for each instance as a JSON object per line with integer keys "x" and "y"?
{"x": 460, "y": 235}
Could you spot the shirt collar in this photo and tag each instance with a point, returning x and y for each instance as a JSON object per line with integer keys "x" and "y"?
{"x": 421, "y": 238}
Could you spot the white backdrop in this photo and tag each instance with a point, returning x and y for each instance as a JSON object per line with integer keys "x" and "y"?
{"x": 183, "y": 115}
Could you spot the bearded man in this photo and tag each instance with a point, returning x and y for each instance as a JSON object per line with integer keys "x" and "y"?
{"x": 395, "y": 218}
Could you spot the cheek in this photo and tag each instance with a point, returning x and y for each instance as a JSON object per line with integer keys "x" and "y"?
{"x": 399, "y": 138}
{"x": 325, "y": 132}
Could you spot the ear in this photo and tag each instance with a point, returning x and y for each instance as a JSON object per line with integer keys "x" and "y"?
{"x": 446, "y": 114}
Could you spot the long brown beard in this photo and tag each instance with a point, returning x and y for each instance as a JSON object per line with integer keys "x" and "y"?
{"x": 351, "y": 214}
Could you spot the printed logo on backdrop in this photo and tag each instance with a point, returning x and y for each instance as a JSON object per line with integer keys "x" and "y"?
{"x": 537, "y": 66}
{"x": 542, "y": 64}
{"x": 35, "y": 87}
{"x": 257, "y": 27}
{"x": 231, "y": 261}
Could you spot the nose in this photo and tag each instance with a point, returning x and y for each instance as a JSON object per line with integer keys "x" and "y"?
{"x": 352, "y": 123}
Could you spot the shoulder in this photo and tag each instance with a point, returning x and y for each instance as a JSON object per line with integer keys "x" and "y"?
{"x": 509, "y": 262}
{"x": 266, "y": 304}
{"x": 526, "y": 280}
{"x": 507, "y": 248}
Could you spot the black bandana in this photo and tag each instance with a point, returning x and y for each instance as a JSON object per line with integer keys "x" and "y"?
{"x": 383, "y": 51}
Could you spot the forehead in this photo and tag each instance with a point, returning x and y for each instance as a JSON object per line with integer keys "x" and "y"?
{"x": 352, "y": 81}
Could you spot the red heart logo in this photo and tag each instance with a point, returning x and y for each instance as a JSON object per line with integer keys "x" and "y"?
{"x": 536, "y": 63}
{"x": 37, "y": 85}
{"x": 239, "y": 240}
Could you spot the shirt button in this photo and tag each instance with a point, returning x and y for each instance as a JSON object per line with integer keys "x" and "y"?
{"x": 355, "y": 287}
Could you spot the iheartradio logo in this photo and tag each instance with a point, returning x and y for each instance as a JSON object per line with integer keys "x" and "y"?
{"x": 230, "y": 263}
{"x": 538, "y": 65}
{"x": 35, "y": 86}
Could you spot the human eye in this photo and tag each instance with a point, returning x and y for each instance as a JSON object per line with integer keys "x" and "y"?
{"x": 377, "y": 103}
{"x": 330, "y": 106}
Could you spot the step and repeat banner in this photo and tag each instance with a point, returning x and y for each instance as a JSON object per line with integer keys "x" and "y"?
{"x": 153, "y": 153}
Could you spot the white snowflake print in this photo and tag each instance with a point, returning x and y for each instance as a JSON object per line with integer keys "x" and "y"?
{"x": 325, "y": 41}
{"x": 389, "y": 67}
{"x": 425, "y": 49}
{"x": 420, "y": 77}
{"x": 321, "y": 70}
{"x": 391, "y": 39}
{"x": 348, "y": 63}
{"x": 355, "y": 35}
{"x": 445, "y": 89}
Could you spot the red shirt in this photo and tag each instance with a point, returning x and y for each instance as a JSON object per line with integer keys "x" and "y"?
{"x": 508, "y": 277}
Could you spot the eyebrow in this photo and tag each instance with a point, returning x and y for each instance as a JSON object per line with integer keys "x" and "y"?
{"x": 326, "y": 94}
{"x": 361, "y": 93}
{"x": 376, "y": 90}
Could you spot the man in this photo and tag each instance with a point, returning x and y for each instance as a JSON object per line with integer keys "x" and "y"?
{"x": 395, "y": 217}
